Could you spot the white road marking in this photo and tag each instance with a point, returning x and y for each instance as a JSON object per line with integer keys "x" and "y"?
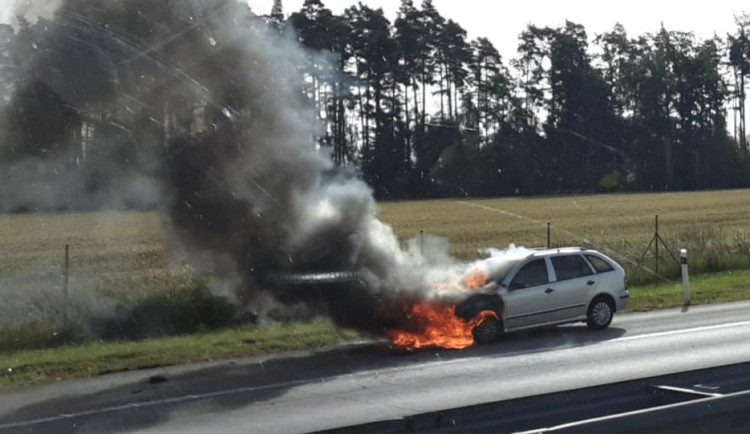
{"x": 288, "y": 384}
{"x": 207, "y": 395}
{"x": 156, "y": 402}
{"x": 681, "y": 331}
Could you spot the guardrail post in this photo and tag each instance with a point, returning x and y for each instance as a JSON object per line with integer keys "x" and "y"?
{"x": 685, "y": 276}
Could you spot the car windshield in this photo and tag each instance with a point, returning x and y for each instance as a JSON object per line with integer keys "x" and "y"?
{"x": 499, "y": 268}
{"x": 295, "y": 215}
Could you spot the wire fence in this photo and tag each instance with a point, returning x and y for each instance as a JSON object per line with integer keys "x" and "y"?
{"x": 711, "y": 250}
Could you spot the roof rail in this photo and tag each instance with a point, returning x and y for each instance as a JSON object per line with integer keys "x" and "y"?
{"x": 543, "y": 250}
{"x": 569, "y": 249}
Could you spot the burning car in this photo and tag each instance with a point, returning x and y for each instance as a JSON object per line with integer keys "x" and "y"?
{"x": 510, "y": 290}
{"x": 536, "y": 288}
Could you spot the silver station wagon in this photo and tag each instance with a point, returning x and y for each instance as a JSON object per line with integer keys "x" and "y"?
{"x": 537, "y": 288}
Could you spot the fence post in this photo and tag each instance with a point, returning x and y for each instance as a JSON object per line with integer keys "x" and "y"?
{"x": 549, "y": 236}
{"x": 656, "y": 238}
{"x": 66, "y": 274}
{"x": 685, "y": 276}
{"x": 421, "y": 242}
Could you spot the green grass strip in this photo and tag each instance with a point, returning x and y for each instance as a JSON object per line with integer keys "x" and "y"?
{"x": 27, "y": 367}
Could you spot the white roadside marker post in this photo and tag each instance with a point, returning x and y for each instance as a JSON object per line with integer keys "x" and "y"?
{"x": 685, "y": 276}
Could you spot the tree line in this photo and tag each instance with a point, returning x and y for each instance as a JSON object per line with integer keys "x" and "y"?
{"x": 419, "y": 110}
{"x": 423, "y": 111}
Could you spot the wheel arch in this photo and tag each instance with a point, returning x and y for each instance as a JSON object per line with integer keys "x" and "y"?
{"x": 477, "y": 303}
{"x": 604, "y": 295}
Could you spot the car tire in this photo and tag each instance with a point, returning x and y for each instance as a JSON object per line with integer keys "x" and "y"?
{"x": 600, "y": 313}
{"x": 487, "y": 331}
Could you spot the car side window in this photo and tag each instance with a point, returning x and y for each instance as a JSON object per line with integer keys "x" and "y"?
{"x": 570, "y": 267}
{"x": 600, "y": 265}
{"x": 532, "y": 274}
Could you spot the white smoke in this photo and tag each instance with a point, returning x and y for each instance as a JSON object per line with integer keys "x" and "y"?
{"x": 28, "y": 9}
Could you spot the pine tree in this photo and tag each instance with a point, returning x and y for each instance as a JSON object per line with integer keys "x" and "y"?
{"x": 277, "y": 13}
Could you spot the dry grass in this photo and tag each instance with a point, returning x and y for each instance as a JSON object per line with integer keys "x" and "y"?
{"x": 124, "y": 254}
{"x": 122, "y": 257}
{"x": 712, "y": 225}
{"x": 119, "y": 255}
{"x": 112, "y": 251}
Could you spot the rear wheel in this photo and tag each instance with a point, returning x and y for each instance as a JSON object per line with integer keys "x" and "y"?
{"x": 600, "y": 313}
{"x": 487, "y": 331}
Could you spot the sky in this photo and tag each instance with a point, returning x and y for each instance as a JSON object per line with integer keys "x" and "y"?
{"x": 501, "y": 23}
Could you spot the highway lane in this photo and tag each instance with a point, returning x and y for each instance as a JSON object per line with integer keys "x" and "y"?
{"x": 365, "y": 384}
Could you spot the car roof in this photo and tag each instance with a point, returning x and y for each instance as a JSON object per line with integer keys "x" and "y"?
{"x": 560, "y": 250}
{"x": 541, "y": 252}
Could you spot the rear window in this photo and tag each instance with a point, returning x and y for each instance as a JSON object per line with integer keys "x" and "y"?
{"x": 570, "y": 267}
{"x": 600, "y": 265}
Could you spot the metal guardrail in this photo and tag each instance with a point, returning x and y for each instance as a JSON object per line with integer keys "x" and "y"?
{"x": 718, "y": 414}
{"x": 714, "y": 400}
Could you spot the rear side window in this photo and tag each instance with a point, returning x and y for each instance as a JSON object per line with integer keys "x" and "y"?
{"x": 532, "y": 274}
{"x": 600, "y": 265}
{"x": 570, "y": 267}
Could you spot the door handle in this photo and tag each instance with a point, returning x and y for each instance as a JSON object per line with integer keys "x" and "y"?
{"x": 590, "y": 282}
{"x": 549, "y": 291}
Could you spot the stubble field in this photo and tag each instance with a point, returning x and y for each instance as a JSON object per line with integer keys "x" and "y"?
{"x": 124, "y": 255}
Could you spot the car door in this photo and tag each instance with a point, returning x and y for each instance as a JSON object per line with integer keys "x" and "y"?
{"x": 574, "y": 284}
{"x": 529, "y": 299}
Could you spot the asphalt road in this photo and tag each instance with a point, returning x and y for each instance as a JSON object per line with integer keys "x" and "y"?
{"x": 370, "y": 383}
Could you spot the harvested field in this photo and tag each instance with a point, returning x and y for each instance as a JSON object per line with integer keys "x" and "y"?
{"x": 122, "y": 257}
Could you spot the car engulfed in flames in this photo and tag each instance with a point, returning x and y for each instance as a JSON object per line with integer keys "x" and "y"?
{"x": 470, "y": 316}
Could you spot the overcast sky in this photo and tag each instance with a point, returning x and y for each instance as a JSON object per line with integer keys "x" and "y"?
{"x": 502, "y": 23}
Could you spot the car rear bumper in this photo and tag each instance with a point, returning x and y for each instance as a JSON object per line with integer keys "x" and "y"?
{"x": 622, "y": 301}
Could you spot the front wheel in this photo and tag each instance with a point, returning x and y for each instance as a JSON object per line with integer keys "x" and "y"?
{"x": 487, "y": 331}
{"x": 600, "y": 313}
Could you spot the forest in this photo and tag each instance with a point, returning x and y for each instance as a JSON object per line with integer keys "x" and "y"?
{"x": 418, "y": 110}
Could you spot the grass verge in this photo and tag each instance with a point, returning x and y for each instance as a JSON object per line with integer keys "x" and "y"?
{"x": 721, "y": 287}
{"x": 26, "y": 367}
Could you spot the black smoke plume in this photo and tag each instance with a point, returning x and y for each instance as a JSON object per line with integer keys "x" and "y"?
{"x": 197, "y": 106}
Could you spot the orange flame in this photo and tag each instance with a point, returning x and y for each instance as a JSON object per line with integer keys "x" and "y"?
{"x": 475, "y": 280}
{"x": 436, "y": 326}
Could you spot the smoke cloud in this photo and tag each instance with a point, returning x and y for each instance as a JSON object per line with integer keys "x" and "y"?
{"x": 197, "y": 107}
{"x": 29, "y": 10}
